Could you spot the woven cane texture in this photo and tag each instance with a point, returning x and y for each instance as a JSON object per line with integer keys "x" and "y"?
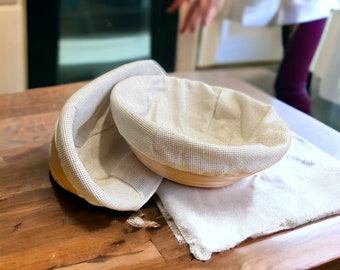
{"x": 198, "y": 128}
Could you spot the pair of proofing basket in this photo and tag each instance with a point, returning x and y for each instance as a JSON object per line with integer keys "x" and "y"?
{"x": 118, "y": 136}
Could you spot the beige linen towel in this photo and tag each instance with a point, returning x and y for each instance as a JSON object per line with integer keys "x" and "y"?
{"x": 88, "y": 155}
{"x": 303, "y": 186}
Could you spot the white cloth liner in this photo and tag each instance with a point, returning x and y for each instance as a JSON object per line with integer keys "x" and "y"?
{"x": 194, "y": 127}
{"x": 95, "y": 158}
{"x": 302, "y": 187}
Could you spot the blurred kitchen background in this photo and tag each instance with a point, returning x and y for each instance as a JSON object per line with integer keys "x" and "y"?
{"x": 83, "y": 39}
{"x": 53, "y": 42}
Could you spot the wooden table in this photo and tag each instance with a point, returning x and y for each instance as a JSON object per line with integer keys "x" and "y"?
{"x": 44, "y": 227}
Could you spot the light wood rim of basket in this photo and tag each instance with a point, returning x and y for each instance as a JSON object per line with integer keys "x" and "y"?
{"x": 184, "y": 177}
{"x": 56, "y": 169}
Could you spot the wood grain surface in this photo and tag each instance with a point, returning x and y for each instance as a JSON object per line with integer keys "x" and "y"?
{"x": 43, "y": 226}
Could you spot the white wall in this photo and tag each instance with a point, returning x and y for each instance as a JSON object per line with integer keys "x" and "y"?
{"x": 226, "y": 42}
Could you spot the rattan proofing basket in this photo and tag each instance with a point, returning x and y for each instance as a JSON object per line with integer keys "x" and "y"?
{"x": 196, "y": 134}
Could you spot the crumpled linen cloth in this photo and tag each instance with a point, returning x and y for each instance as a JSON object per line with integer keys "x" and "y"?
{"x": 302, "y": 187}
{"x": 89, "y": 157}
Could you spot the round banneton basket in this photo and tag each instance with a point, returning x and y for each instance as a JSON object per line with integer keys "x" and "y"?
{"x": 89, "y": 157}
{"x": 196, "y": 134}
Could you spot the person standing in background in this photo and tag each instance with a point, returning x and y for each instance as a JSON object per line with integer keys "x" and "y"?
{"x": 302, "y": 24}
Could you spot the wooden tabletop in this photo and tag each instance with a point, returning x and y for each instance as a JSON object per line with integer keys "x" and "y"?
{"x": 43, "y": 226}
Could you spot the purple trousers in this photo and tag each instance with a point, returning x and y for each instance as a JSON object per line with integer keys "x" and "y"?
{"x": 292, "y": 78}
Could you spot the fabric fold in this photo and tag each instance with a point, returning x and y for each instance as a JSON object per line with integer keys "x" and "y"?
{"x": 89, "y": 157}
{"x": 304, "y": 186}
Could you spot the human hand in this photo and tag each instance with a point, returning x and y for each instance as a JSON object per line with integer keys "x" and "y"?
{"x": 200, "y": 12}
